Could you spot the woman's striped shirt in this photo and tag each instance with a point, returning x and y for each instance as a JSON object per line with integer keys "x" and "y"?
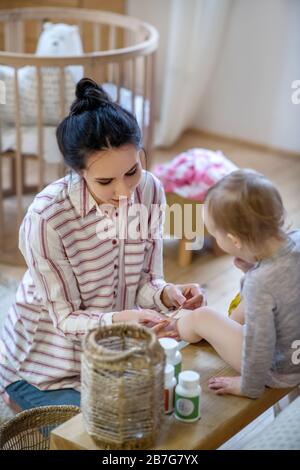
{"x": 77, "y": 273}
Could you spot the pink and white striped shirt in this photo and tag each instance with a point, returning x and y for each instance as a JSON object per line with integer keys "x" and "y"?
{"x": 75, "y": 276}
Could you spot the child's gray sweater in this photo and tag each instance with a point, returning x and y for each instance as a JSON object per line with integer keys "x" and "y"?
{"x": 271, "y": 295}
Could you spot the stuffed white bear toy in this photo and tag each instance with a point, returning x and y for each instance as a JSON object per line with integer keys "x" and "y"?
{"x": 56, "y": 39}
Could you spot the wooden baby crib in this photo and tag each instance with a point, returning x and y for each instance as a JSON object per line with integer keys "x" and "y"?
{"x": 119, "y": 51}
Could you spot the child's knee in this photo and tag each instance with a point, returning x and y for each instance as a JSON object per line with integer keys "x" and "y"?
{"x": 203, "y": 312}
{"x": 194, "y": 325}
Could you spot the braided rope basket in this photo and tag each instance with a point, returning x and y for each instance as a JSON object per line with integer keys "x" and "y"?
{"x": 30, "y": 429}
{"x": 122, "y": 386}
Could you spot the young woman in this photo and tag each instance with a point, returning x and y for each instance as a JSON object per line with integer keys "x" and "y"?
{"x": 81, "y": 272}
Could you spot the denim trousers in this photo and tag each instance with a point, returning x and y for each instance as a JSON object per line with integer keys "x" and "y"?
{"x": 27, "y": 396}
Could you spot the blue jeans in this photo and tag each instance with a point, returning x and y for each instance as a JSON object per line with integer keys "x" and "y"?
{"x": 27, "y": 396}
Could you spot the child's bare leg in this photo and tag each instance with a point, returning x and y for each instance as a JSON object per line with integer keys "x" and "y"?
{"x": 238, "y": 314}
{"x": 224, "y": 334}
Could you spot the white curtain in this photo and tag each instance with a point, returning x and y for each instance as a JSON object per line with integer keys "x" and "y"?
{"x": 196, "y": 32}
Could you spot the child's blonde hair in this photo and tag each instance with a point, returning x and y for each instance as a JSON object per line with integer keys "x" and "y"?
{"x": 247, "y": 205}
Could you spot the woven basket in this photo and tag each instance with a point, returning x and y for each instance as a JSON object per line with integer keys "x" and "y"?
{"x": 122, "y": 385}
{"x": 30, "y": 429}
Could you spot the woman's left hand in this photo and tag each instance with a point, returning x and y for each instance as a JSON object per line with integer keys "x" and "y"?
{"x": 189, "y": 296}
{"x": 226, "y": 385}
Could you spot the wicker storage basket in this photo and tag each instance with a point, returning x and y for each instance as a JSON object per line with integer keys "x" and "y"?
{"x": 122, "y": 386}
{"x": 30, "y": 429}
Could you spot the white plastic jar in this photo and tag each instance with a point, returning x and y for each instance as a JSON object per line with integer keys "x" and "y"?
{"x": 187, "y": 397}
{"x": 169, "y": 391}
{"x": 172, "y": 353}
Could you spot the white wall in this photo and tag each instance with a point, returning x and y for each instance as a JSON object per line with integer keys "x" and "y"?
{"x": 157, "y": 13}
{"x": 249, "y": 95}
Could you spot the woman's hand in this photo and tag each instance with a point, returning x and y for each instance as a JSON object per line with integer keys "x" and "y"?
{"x": 167, "y": 329}
{"x": 226, "y": 385}
{"x": 146, "y": 317}
{"x": 189, "y": 296}
{"x": 158, "y": 322}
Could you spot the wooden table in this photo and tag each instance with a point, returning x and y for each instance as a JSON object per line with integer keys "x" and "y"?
{"x": 222, "y": 416}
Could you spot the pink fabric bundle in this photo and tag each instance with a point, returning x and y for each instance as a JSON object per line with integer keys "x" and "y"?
{"x": 191, "y": 173}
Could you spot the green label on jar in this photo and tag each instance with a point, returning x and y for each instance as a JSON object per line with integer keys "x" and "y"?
{"x": 187, "y": 408}
{"x": 177, "y": 370}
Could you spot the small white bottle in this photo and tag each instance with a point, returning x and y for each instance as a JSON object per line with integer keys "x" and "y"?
{"x": 172, "y": 353}
{"x": 187, "y": 397}
{"x": 169, "y": 391}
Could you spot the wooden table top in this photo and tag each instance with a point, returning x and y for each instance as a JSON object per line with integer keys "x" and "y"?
{"x": 221, "y": 416}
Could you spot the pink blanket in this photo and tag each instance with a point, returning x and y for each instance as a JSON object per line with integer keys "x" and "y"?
{"x": 191, "y": 173}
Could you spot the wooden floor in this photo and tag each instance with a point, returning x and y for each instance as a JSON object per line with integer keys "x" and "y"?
{"x": 218, "y": 275}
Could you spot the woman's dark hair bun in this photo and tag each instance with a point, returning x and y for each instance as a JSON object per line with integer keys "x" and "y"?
{"x": 95, "y": 123}
{"x": 89, "y": 96}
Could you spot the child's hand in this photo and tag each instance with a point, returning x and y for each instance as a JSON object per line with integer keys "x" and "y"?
{"x": 226, "y": 385}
